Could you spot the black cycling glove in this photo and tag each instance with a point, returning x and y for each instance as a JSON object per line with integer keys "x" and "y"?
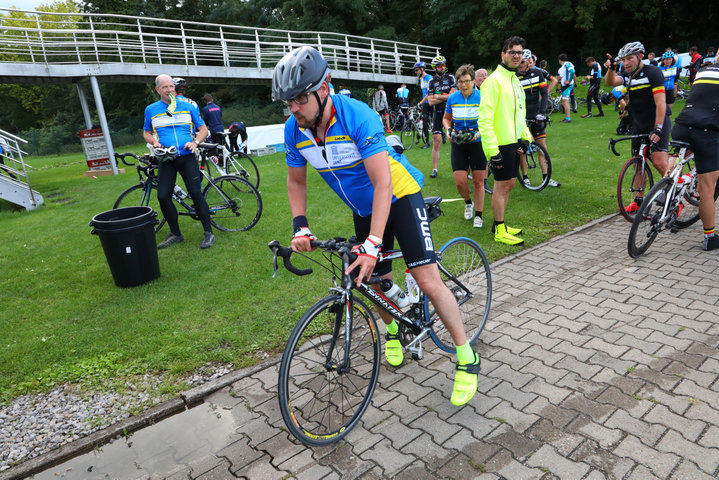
{"x": 496, "y": 161}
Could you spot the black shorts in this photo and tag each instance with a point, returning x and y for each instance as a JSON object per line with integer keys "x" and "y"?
{"x": 662, "y": 145}
{"x": 437, "y": 117}
{"x": 510, "y": 163}
{"x": 705, "y": 145}
{"x": 466, "y": 155}
{"x": 383, "y": 112}
{"x": 538, "y": 129}
{"x": 408, "y": 223}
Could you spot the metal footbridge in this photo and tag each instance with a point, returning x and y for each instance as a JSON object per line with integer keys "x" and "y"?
{"x": 47, "y": 47}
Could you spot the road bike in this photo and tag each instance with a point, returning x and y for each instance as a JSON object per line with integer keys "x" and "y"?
{"x": 672, "y": 204}
{"x": 223, "y": 162}
{"x": 235, "y": 205}
{"x": 531, "y": 165}
{"x": 409, "y": 132}
{"x": 331, "y": 364}
{"x": 635, "y": 177}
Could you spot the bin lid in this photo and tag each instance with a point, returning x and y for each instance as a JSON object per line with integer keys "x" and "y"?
{"x": 122, "y": 218}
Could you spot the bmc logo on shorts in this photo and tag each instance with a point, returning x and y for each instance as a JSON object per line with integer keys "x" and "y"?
{"x": 424, "y": 227}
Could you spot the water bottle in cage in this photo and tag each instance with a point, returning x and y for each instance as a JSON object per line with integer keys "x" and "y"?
{"x": 179, "y": 192}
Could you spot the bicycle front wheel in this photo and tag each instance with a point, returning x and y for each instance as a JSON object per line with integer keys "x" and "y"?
{"x": 649, "y": 220}
{"x": 141, "y": 196}
{"x": 242, "y": 165}
{"x": 635, "y": 179}
{"x": 464, "y": 269}
{"x": 535, "y": 169}
{"x": 326, "y": 379}
{"x": 407, "y": 134}
{"x": 235, "y": 205}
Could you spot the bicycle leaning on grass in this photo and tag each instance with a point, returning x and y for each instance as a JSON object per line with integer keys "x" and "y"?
{"x": 331, "y": 363}
{"x": 673, "y": 203}
{"x": 235, "y": 205}
{"x": 226, "y": 163}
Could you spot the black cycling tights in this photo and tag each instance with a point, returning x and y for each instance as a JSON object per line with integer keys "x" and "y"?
{"x": 593, "y": 94}
{"x": 166, "y": 178}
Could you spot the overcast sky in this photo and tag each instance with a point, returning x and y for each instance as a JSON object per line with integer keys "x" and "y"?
{"x": 22, "y": 4}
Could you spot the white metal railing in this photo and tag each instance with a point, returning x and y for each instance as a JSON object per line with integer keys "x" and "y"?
{"x": 15, "y": 167}
{"x": 62, "y": 38}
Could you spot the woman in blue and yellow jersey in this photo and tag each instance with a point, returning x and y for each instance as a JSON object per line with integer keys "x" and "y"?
{"x": 460, "y": 120}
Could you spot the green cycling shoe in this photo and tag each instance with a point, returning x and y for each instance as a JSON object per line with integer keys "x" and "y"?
{"x": 465, "y": 381}
{"x": 393, "y": 350}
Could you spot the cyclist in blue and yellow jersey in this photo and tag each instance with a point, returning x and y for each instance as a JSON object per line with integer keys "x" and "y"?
{"x": 595, "y": 83}
{"x": 440, "y": 87}
{"x": 180, "y": 86}
{"x": 566, "y": 83}
{"x": 170, "y": 122}
{"x": 536, "y": 97}
{"x": 669, "y": 70}
{"x": 698, "y": 124}
{"x": 648, "y": 104}
{"x": 424, "y": 106}
{"x": 504, "y": 132}
{"x": 460, "y": 120}
{"x": 344, "y": 141}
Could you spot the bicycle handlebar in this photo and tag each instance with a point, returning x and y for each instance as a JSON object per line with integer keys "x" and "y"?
{"x": 335, "y": 245}
{"x": 613, "y": 142}
{"x": 121, "y": 157}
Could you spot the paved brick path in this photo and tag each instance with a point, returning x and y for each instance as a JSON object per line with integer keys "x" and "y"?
{"x": 594, "y": 366}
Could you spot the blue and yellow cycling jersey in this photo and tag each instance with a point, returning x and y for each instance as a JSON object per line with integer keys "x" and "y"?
{"x": 424, "y": 84}
{"x": 173, "y": 130}
{"x": 354, "y": 133}
{"x": 464, "y": 110}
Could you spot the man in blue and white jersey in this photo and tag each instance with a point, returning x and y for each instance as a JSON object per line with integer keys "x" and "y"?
{"x": 402, "y": 96}
{"x": 566, "y": 82}
{"x": 425, "y": 107}
{"x": 170, "y": 122}
{"x": 669, "y": 69}
{"x": 344, "y": 141}
{"x": 460, "y": 120}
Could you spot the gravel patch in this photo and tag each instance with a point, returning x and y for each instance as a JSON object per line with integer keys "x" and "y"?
{"x": 35, "y": 424}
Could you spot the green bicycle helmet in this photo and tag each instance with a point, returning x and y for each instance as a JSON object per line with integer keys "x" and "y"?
{"x": 438, "y": 60}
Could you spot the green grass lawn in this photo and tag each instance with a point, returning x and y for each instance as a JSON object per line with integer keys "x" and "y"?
{"x": 63, "y": 319}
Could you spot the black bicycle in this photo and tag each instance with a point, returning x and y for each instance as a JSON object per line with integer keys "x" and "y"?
{"x": 235, "y": 205}
{"x": 331, "y": 363}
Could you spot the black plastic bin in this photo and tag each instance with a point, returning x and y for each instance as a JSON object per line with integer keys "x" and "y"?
{"x": 128, "y": 239}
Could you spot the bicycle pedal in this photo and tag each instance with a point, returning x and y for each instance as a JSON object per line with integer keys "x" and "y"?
{"x": 417, "y": 356}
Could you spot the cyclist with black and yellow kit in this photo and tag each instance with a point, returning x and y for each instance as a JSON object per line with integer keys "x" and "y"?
{"x": 344, "y": 141}
{"x": 645, "y": 86}
{"x": 440, "y": 87}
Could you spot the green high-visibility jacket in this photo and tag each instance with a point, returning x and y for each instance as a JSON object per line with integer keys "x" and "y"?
{"x": 502, "y": 111}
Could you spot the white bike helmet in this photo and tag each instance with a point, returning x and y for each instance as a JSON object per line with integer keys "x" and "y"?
{"x": 631, "y": 48}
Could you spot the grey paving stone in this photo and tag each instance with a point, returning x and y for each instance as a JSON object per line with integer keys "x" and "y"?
{"x": 688, "y": 428}
{"x": 430, "y": 453}
{"x": 659, "y": 463}
{"x": 607, "y": 463}
{"x": 688, "y": 470}
{"x": 706, "y": 458}
{"x": 548, "y": 459}
{"x": 390, "y": 460}
{"x": 507, "y": 467}
{"x": 648, "y": 431}
{"x": 260, "y": 468}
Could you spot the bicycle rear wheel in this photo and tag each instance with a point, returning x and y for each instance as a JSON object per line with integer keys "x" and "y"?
{"x": 242, "y": 165}
{"x": 322, "y": 391}
{"x": 235, "y": 205}
{"x": 535, "y": 165}
{"x": 141, "y": 196}
{"x": 407, "y": 134}
{"x": 633, "y": 182}
{"x": 648, "y": 221}
{"x": 464, "y": 269}
{"x": 690, "y": 202}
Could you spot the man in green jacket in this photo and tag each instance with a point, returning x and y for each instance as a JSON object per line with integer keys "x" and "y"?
{"x": 504, "y": 132}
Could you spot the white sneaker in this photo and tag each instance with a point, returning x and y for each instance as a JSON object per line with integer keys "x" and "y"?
{"x": 478, "y": 222}
{"x": 526, "y": 181}
{"x": 553, "y": 183}
{"x": 468, "y": 211}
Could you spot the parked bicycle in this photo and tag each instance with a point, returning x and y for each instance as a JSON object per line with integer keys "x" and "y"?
{"x": 331, "y": 363}
{"x": 635, "y": 177}
{"x": 409, "y": 133}
{"x": 673, "y": 203}
{"x": 225, "y": 163}
{"x": 235, "y": 205}
{"x": 531, "y": 163}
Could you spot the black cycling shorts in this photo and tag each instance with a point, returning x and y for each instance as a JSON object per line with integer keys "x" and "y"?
{"x": 538, "y": 129}
{"x": 408, "y": 223}
{"x": 662, "y": 145}
{"x": 437, "y": 117}
{"x": 510, "y": 163}
{"x": 465, "y": 155}
{"x": 705, "y": 145}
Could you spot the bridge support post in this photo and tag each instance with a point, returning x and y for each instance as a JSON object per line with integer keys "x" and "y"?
{"x": 103, "y": 122}
{"x": 85, "y": 107}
